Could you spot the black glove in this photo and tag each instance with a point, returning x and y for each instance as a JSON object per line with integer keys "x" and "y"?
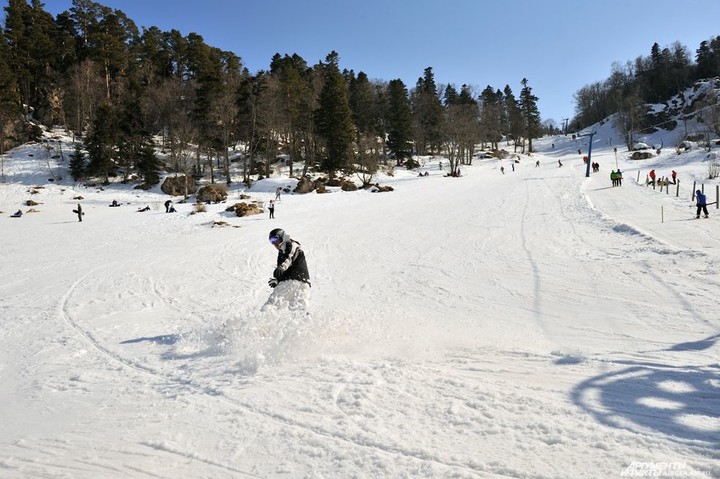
{"x": 278, "y": 273}
{"x": 273, "y": 282}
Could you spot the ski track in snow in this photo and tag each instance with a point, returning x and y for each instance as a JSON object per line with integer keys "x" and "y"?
{"x": 219, "y": 395}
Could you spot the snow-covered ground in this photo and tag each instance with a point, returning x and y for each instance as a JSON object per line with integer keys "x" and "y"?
{"x": 532, "y": 324}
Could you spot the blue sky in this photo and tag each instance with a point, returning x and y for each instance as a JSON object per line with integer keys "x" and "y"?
{"x": 558, "y": 45}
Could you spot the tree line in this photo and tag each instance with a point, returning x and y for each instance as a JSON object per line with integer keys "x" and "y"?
{"x": 656, "y": 78}
{"x": 119, "y": 88}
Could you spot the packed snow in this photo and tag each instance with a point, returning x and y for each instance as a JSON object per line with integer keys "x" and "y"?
{"x": 532, "y": 324}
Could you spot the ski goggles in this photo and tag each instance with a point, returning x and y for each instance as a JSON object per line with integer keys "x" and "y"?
{"x": 275, "y": 240}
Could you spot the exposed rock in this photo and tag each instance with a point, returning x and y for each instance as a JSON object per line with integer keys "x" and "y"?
{"x": 641, "y": 155}
{"x": 305, "y": 185}
{"x": 178, "y": 185}
{"x": 245, "y": 209}
{"x": 212, "y": 194}
{"x": 376, "y": 188}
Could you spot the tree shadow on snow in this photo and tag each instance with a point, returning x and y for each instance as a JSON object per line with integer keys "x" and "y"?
{"x": 166, "y": 340}
{"x": 701, "y": 345}
{"x": 679, "y": 401}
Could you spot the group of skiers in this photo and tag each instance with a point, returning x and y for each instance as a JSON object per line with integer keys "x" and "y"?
{"x": 663, "y": 181}
{"x": 616, "y": 177}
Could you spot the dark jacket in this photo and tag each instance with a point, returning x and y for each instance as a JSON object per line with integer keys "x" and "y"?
{"x": 291, "y": 263}
{"x": 701, "y": 199}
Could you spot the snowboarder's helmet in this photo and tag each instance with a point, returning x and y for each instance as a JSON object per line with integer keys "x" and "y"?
{"x": 277, "y": 236}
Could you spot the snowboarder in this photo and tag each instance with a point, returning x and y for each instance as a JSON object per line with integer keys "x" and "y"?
{"x": 291, "y": 280}
{"x": 502, "y": 170}
{"x": 278, "y": 192}
{"x": 79, "y": 212}
{"x": 701, "y": 202}
{"x": 652, "y": 177}
{"x": 674, "y": 177}
{"x": 17, "y": 214}
{"x": 167, "y": 206}
{"x": 271, "y": 208}
{"x": 559, "y": 164}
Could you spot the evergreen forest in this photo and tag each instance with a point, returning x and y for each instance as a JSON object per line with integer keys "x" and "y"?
{"x": 128, "y": 93}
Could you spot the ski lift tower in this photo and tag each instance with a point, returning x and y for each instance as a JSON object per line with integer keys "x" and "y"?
{"x": 587, "y": 169}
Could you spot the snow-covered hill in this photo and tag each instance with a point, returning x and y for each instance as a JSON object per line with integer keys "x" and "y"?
{"x": 535, "y": 323}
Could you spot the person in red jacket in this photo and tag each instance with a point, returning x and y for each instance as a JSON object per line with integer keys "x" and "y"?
{"x": 652, "y": 177}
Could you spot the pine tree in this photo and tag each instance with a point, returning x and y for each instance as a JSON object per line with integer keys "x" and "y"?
{"x": 530, "y": 112}
{"x": 334, "y": 119}
{"x": 9, "y": 94}
{"x": 295, "y": 113}
{"x": 77, "y": 163}
{"x": 707, "y": 59}
{"x": 515, "y": 126}
{"x": 428, "y": 114}
{"x": 147, "y": 164}
{"x": 363, "y": 105}
{"x": 399, "y": 121}
{"x": 491, "y": 116}
{"x": 102, "y": 143}
{"x": 206, "y": 67}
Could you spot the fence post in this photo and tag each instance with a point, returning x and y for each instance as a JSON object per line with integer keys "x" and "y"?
{"x": 638, "y": 179}
{"x": 677, "y": 190}
{"x": 717, "y": 196}
{"x": 692, "y": 198}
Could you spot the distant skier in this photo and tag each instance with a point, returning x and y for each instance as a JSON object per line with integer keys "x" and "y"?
{"x": 701, "y": 202}
{"x": 79, "y": 212}
{"x": 271, "y": 208}
{"x": 291, "y": 280}
{"x": 167, "y": 206}
{"x": 559, "y": 164}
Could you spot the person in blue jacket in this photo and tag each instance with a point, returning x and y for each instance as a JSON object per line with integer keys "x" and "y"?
{"x": 701, "y": 202}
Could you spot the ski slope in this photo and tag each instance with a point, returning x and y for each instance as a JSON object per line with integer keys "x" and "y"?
{"x": 536, "y": 324}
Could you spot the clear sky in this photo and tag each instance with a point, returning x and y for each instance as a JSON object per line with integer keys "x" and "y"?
{"x": 558, "y": 45}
